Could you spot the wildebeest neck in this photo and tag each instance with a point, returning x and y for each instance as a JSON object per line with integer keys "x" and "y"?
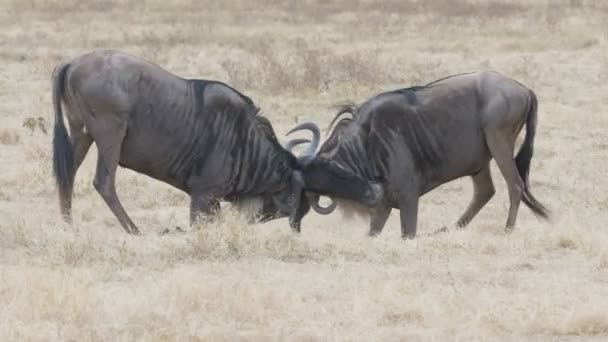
{"x": 255, "y": 163}
{"x": 199, "y": 86}
{"x": 347, "y": 148}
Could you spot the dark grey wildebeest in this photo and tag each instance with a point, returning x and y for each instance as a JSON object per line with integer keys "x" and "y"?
{"x": 413, "y": 140}
{"x": 200, "y": 136}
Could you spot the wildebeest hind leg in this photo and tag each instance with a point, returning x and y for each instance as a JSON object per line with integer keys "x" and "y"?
{"x": 483, "y": 190}
{"x": 108, "y": 138}
{"x": 81, "y": 142}
{"x": 378, "y": 219}
{"x": 502, "y": 150}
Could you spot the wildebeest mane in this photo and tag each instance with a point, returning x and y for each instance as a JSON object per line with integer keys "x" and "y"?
{"x": 266, "y": 127}
{"x": 264, "y": 124}
{"x": 409, "y": 93}
{"x": 200, "y": 85}
{"x": 448, "y": 77}
{"x": 352, "y": 109}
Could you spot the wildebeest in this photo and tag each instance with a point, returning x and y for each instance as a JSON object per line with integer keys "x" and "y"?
{"x": 413, "y": 140}
{"x": 200, "y": 136}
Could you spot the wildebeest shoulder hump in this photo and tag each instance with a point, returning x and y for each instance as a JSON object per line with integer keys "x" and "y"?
{"x": 200, "y": 86}
{"x": 409, "y": 93}
{"x": 448, "y": 77}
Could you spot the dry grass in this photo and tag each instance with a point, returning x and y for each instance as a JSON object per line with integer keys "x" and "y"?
{"x": 9, "y": 137}
{"x": 231, "y": 281}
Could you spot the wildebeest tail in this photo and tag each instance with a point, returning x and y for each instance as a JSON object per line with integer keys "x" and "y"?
{"x": 524, "y": 158}
{"x": 63, "y": 154}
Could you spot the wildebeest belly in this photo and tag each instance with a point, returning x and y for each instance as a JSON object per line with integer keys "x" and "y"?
{"x": 464, "y": 153}
{"x": 460, "y": 160}
{"x": 152, "y": 155}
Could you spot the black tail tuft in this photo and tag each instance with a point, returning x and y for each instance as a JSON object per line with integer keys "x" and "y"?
{"x": 63, "y": 155}
{"x": 524, "y": 158}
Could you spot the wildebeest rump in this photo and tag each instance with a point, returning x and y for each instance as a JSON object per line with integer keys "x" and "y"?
{"x": 413, "y": 140}
{"x": 200, "y": 136}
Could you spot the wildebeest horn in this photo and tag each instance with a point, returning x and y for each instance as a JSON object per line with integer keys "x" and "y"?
{"x": 314, "y": 203}
{"x": 316, "y": 136}
{"x": 294, "y": 142}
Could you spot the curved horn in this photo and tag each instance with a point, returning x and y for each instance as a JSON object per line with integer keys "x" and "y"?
{"x": 333, "y": 121}
{"x": 316, "y": 136}
{"x": 314, "y": 203}
{"x": 294, "y": 142}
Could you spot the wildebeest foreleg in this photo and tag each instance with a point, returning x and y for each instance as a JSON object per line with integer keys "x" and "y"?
{"x": 502, "y": 150}
{"x": 378, "y": 219}
{"x": 108, "y": 138}
{"x": 483, "y": 190}
{"x": 202, "y": 206}
{"x": 408, "y": 212}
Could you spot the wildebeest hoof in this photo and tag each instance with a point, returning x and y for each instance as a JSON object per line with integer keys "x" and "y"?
{"x": 408, "y": 236}
{"x": 179, "y": 229}
{"x": 164, "y": 231}
{"x": 441, "y": 230}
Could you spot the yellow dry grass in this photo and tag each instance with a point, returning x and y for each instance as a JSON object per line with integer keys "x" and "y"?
{"x": 230, "y": 281}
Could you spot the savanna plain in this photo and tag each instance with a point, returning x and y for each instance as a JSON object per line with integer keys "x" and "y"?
{"x": 89, "y": 281}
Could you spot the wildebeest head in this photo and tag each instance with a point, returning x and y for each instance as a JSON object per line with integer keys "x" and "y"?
{"x": 321, "y": 176}
{"x": 311, "y": 176}
{"x": 289, "y": 202}
{"x": 278, "y": 201}
{"x": 325, "y": 168}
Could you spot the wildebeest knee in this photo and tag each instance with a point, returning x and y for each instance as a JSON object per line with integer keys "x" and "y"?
{"x": 516, "y": 190}
{"x": 488, "y": 193}
{"x": 96, "y": 185}
{"x": 485, "y": 193}
{"x": 102, "y": 187}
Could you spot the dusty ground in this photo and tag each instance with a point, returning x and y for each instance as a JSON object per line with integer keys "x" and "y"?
{"x": 92, "y": 282}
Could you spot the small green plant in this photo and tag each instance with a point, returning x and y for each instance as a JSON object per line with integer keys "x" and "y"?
{"x": 32, "y": 123}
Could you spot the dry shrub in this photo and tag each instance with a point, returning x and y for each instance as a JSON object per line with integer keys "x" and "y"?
{"x": 70, "y": 6}
{"x": 425, "y": 72}
{"x": 526, "y": 71}
{"x": 361, "y": 68}
{"x": 38, "y": 152}
{"x": 231, "y": 238}
{"x": 9, "y": 137}
{"x": 465, "y": 8}
{"x": 275, "y": 69}
{"x": 449, "y": 9}
{"x": 266, "y": 69}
